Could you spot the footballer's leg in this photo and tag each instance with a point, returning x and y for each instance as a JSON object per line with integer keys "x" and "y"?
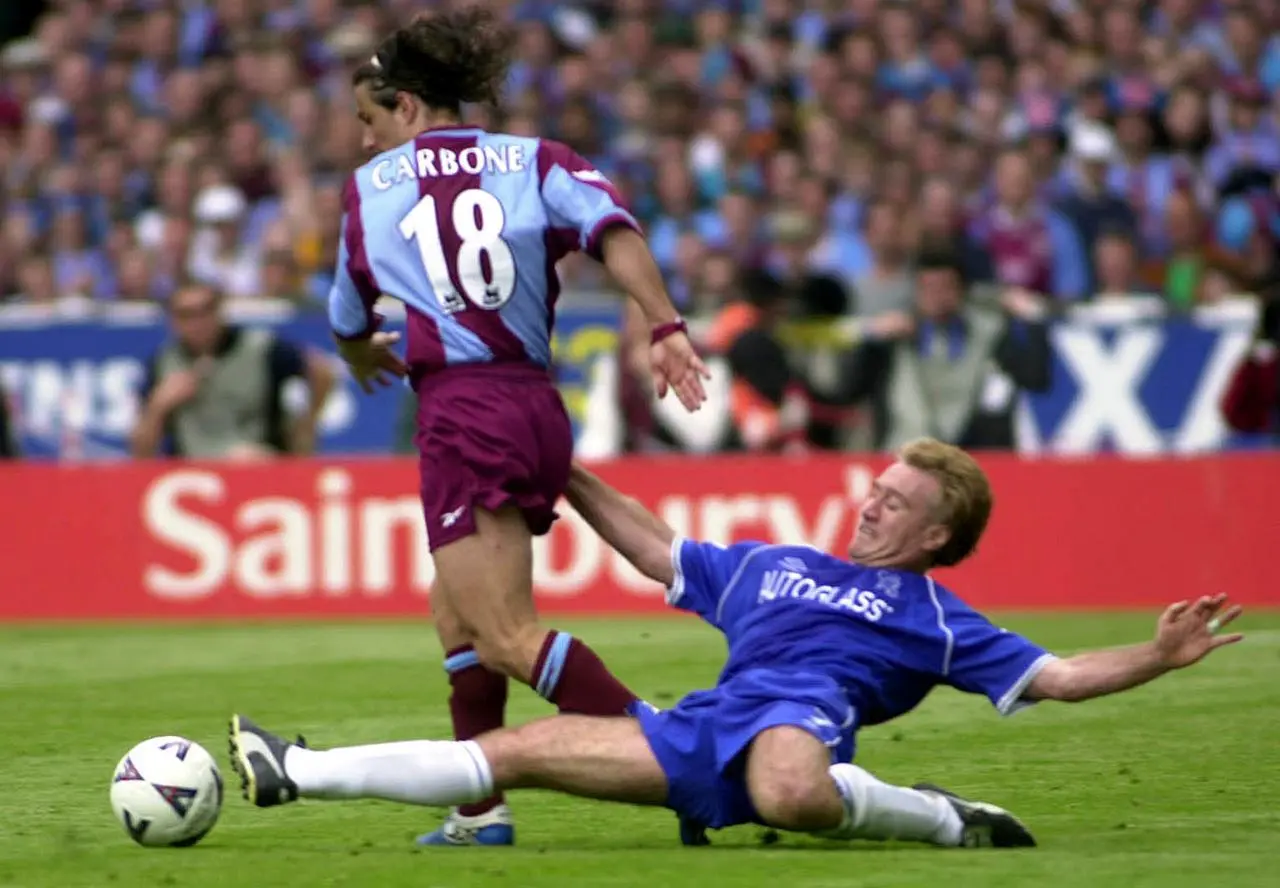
{"x": 984, "y": 824}
{"x": 258, "y": 757}
{"x": 485, "y": 576}
{"x": 794, "y": 787}
{"x": 788, "y": 781}
{"x": 477, "y": 705}
{"x": 494, "y": 565}
{"x": 600, "y": 758}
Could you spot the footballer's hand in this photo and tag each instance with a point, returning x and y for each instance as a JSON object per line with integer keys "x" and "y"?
{"x": 1187, "y": 631}
{"x": 673, "y": 364}
{"x": 372, "y": 360}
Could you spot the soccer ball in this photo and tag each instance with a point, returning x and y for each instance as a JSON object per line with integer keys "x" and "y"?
{"x": 167, "y": 792}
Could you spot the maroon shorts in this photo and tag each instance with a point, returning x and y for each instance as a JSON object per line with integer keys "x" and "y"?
{"x": 490, "y": 435}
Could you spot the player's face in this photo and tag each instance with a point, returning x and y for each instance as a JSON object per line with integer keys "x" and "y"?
{"x": 897, "y": 525}
{"x": 381, "y": 128}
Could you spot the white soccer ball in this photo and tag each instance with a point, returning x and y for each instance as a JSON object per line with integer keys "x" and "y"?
{"x": 167, "y": 792}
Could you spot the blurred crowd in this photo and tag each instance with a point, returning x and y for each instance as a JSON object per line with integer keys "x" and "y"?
{"x": 809, "y": 152}
{"x": 1070, "y": 147}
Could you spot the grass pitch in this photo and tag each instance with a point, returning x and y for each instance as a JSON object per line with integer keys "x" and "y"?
{"x": 1175, "y": 784}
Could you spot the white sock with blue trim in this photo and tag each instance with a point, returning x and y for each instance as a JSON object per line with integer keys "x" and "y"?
{"x": 416, "y": 772}
{"x": 879, "y": 811}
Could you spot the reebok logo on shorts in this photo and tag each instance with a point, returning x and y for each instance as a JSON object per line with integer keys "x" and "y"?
{"x": 451, "y": 518}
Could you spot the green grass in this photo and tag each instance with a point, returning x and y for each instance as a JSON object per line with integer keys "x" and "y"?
{"x": 1174, "y": 784}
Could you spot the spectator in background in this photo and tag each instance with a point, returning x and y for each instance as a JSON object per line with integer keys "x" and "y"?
{"x": 953, "y": 368}
{"x": 1145, "y": 178}
{"x": 1248, "y": 227}
{"x": 943, "y": 227}
{"x": 78, "y": 269}
{"x": 1185, "y": 121}
{"x": 795, "y": 249}
{"x": 217, "y": 391}
{"x": 1246, "y": 138}
{"x": 906, "y": 70}
{"x": 1192, "y": 256}
{"x": 742, "y": 236}
{"x": 134, "y": 279}
{"x": 1115, "y": 266}
{"x": 1032, "y": 247}
{"x": 219, "y": 258}
{"x": 280, "y": 278}
{"x": 678, "y": 213}
{"x": 1251, "y": 403}
{"x": 831, "y": 249}
{"x": 1087, "y": 202}
{"x": 684, "y": 278}
{"x": 317, "y": 245}
{"x": 35, "y": 281}
{"x": 717, "y": 281}
{"x": 8, "y": 431}
{"x": 885, "y": 286}
{"x": 769, "y": 401}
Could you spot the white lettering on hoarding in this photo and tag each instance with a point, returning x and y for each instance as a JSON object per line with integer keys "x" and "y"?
{"x": 87, "y": 396}
{"x": 335, "y": 531}
{"x": 1114, "y": 406}
{"x": 189, "y": 533}
{"x": 281, "y": 546}
{"x": 100, "y": 398}
{"x": 1108, "y": 404}
{"x": 340, "y": 543}
{"x": 383, "y": 522}
{"x": 274, "y": 560}
{"x": 1203, "y": 429}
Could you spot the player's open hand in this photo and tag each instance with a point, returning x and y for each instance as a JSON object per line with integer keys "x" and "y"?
{"x": 674, "y": 365}
{"x": 1188, "y": 631}
{"x": 372, "y": 360}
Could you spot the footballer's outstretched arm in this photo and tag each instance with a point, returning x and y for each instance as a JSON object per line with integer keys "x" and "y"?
{"x": 1185, "y": 634}
{"x": 623, "y": 523}
{"x": 627, "y": 257}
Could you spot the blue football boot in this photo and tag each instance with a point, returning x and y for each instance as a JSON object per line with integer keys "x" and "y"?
{"x": 493, "y": 827}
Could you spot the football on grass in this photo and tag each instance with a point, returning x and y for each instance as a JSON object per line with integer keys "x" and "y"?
{"x": 167, "y": 792}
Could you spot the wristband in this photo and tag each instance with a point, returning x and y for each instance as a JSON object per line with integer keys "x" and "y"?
{"x": 662, "y": 331}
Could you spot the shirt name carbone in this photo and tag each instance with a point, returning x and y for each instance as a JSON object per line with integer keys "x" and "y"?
{"x": 432, "y": 163}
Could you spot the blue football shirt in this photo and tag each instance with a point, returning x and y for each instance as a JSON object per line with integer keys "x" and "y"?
{"x": 887, "y": 637}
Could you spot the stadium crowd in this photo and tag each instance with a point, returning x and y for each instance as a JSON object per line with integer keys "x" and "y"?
{"x": 789, "y": 158}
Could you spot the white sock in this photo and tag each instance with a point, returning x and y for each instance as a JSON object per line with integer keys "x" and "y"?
{"x": 417, "y": 772}
{"x": 877, "y": 810}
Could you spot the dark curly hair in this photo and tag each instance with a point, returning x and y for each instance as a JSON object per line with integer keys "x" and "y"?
{"x": 444, "y": 59}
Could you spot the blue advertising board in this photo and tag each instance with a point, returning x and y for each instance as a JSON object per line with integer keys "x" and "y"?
{"x": 1144, "y": 387}
{"x": 73, "y": 385}
{"x": 1139, "y": 388}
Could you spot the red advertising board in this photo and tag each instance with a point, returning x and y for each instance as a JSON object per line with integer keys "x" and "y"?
{"x": 345, "y": 538}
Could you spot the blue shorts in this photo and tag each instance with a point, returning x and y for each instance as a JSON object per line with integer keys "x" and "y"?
{"x": 701, "y": 742}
